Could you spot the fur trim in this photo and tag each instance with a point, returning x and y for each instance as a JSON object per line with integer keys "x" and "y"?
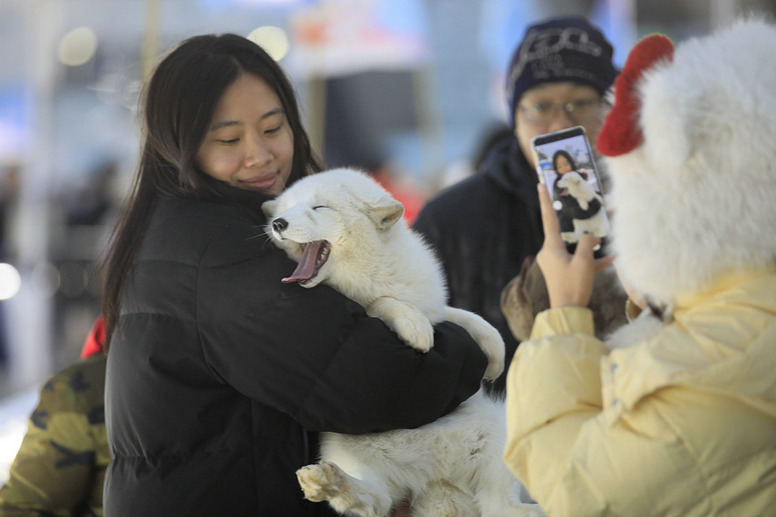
{"x": 620, "y": 132}
{"x": 697, "y": 197}
{"x": 644, "y": 327}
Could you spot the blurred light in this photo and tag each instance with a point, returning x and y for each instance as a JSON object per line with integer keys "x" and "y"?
{"x": 272, "y": 39}
{"x": 11, "y": 437}
{"x": 15, "y": 411}
{"x": 45, "y": 279}
{"x": 258, "y": 3}
{"x": 77, "y": 46}
{"x": 10, "y": 281}
{"x": 14, "y": 121}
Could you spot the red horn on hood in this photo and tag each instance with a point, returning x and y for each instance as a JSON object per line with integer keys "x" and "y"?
{"x": 620, "y": 132}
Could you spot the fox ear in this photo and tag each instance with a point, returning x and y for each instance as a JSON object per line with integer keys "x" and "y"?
{"x": 385, "y": 214}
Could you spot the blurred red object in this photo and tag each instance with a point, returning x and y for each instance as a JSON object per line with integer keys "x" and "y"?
{"x": 94, "y": 340}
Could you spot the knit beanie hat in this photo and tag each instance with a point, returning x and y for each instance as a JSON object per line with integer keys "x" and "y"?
{"x": 559, "y": 49}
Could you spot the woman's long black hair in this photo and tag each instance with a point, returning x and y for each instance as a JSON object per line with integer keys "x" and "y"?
{"x": 180, "y": 100}
{"x": 567, "y": 156}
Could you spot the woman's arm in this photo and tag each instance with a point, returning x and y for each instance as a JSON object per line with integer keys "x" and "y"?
{"x": 315, "y": 355}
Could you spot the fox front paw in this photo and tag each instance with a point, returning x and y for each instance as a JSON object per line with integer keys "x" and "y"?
{"x": 417, "y": 333}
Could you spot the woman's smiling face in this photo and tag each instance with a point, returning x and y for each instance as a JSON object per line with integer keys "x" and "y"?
{"x": 249, "y": 144}
{"x": 562, "y": 165}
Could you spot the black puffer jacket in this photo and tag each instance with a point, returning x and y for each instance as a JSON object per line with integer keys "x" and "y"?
{"x": 482, "y": 229}
{"x": 221, "y": 375}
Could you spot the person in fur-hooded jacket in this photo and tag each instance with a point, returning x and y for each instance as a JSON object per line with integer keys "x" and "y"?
{"x": 675, "y": 415}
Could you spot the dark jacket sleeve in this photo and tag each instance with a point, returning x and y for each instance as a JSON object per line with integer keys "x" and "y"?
{"x": 314, "y": 354}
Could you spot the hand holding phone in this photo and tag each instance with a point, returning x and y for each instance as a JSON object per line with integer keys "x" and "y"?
{"x": 569, "y": 278}
{"x": 566, "y": 166}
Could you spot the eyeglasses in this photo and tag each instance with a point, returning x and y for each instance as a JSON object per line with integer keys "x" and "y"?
{"x": 579, "y": 111}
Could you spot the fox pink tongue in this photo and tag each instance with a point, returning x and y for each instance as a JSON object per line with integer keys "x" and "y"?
{"x": 306, "y": 267}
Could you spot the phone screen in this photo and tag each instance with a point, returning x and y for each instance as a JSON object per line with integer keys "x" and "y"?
{"x": 566, "y": 165}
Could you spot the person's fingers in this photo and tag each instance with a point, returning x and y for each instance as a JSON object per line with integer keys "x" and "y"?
{"x": 586, "y": 245}
{"x": 549, "y": 217}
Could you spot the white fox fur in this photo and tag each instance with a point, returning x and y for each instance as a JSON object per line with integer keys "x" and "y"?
{"x": 452, "y": 467}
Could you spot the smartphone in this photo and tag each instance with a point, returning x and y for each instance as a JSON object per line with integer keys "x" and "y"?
{"x": 566, "y": 165}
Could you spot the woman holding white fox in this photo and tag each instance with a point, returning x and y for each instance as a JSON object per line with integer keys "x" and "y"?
{"x": 220, "y": 376}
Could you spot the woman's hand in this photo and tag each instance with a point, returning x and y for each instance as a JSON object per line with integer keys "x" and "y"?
{"x": 569, "y": 277}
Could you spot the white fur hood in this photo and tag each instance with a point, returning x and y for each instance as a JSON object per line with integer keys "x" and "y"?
{"x": 697, "y": 196}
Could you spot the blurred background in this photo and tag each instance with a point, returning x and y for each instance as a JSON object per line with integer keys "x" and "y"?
{"x": 408, "y": 89}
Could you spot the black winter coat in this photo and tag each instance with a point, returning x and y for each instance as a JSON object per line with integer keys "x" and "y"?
{"x": 482, "y": 229}
{"x": 220, "y": 376}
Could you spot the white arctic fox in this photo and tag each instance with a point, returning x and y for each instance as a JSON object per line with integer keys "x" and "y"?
{"x": 345, "y": 230}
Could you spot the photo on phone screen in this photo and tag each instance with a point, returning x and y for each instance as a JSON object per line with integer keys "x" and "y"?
{"x": 566, "y": 165}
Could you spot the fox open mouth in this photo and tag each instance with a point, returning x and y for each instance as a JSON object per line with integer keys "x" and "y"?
{"x": 314, "y": 255}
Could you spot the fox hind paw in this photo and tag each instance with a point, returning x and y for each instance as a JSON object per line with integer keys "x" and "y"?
{"x": 321, "y": 482}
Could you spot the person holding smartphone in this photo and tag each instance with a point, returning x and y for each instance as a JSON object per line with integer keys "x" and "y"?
{"x": 484, "y": 227}
{"x": 675, "y": 413}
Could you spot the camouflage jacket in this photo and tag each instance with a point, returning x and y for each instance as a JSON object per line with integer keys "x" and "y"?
{"x": 60, "y": 467}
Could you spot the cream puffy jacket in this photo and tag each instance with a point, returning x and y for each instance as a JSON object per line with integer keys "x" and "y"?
{"x": 681, "y": 423}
